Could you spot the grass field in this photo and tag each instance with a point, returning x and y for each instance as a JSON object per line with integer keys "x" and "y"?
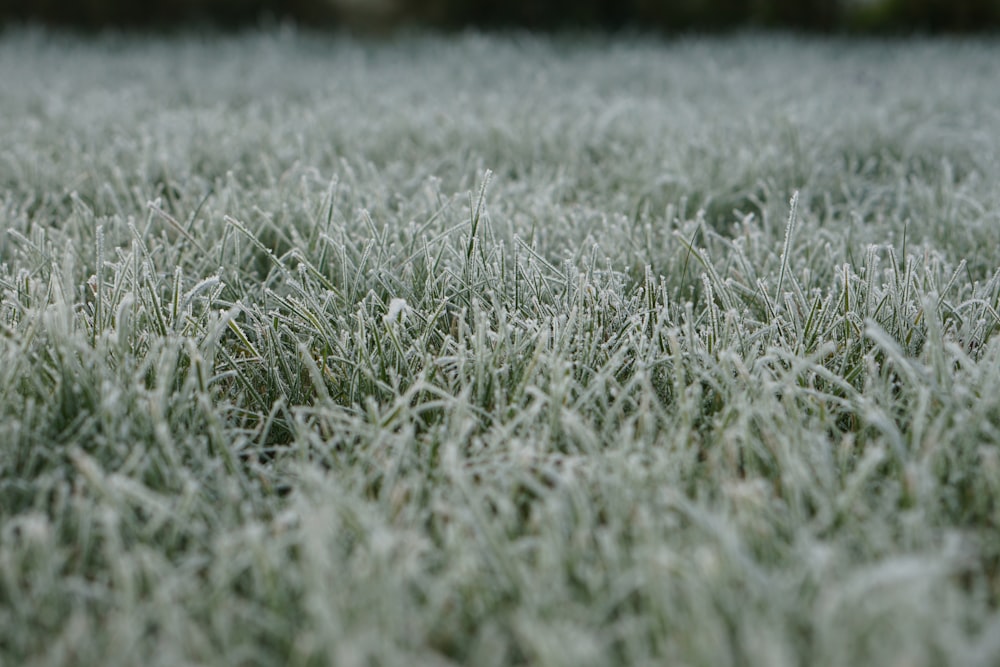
{"x": 499, "y": 351}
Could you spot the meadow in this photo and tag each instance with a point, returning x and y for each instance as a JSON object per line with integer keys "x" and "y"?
{"x": 499, "y": 350}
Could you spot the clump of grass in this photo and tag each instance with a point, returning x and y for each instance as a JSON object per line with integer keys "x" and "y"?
{"x": 487, "y": 350}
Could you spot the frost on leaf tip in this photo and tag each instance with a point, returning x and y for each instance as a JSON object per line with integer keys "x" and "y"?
{"x": 397, "y": 310}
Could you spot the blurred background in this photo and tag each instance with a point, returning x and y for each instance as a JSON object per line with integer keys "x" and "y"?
{"x": 380, "y": 16}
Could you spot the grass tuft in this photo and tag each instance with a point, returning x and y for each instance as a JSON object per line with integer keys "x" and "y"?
{"x": 495, "y": 350}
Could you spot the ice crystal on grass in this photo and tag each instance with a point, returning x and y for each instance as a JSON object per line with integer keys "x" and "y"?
{"x": 498, "y": 350}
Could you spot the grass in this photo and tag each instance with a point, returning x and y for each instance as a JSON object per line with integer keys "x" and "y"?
{"x": 499, "y": 351}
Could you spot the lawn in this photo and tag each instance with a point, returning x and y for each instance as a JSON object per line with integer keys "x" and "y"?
{"x": 499, "y": 350}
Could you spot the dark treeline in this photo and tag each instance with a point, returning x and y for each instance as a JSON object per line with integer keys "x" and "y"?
{"x": 660, "y": 15}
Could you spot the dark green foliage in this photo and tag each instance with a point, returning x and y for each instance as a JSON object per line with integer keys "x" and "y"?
{"x": 92, "y": 14}
{"x": 937, "y": 15}
{"x": 657, "y": 15}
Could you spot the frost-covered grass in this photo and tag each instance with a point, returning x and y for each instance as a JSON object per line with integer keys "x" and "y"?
{"x": 499, "y": 351}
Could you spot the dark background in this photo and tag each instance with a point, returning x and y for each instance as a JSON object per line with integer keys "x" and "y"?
{"x": 882, "y": 16}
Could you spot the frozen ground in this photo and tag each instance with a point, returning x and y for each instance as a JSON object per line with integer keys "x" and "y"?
{"x": 499, "y": 351}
